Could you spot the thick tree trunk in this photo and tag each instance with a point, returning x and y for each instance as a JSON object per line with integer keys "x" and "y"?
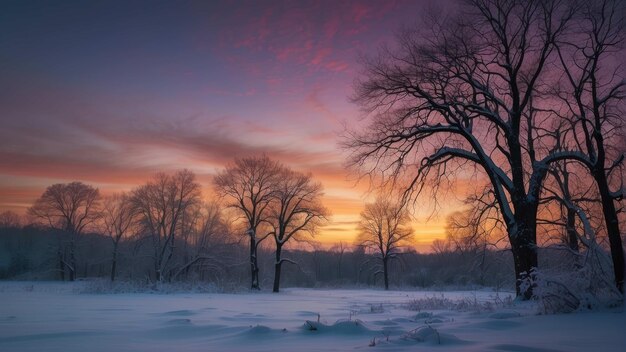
{"x": 612, "y": 227}
{"x": 386, "y": 272}
{"x": 277, "y": 268}
{"x": 525, "y": 260}
{"x": 570, "y": 228}
{"x": 523, "y": 238}
{"x": 254, "y": 268}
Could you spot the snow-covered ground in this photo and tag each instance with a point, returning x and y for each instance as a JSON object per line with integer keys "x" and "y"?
{"x": 58, "y": 317}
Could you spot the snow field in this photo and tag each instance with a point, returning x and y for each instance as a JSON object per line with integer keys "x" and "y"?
{"x": 58, "y": 317}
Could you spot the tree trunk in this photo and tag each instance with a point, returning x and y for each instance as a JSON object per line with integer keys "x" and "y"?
{"x": 277, "y": 267}
{"x": 72, "y": 268}
{"x": 386, "y": 272}
{"x": 61, "y": 264}
{"x": 612, "y": 227}
{"x": 570, "y": 226}
{"x": 114, "y": 261}
{"x": 571, "y": 238}
{"x": 254, "y": 268}
{"x": 157, "y": 269}
{"x": 523, "y": 238}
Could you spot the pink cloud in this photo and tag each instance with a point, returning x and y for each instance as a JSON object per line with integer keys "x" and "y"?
{"x": 286, "y": 69}
{"x": 337, "y": 65}
{"x": 320, "y": 55}
{"x": 360, "y": 11}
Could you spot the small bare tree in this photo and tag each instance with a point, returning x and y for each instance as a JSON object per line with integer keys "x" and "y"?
{"x": 340, "y": 250}
{"x": 384, "y": 228}
{"x": 10, "y": 219}
{"x": 119, "y": 218}
{"x": 441, "y": 246}
{"x": 162, "y": 205}
{"x": 70, "y": 208}
{"x": 249, "y": 185}
{"x": 296, "y": 210}
{"x": 204, "y": 239}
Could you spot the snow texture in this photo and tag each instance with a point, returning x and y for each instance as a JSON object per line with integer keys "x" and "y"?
{"x": 61, "y": 317}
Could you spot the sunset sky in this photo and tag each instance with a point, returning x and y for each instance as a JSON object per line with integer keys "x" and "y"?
{"x": 110, "y": 92}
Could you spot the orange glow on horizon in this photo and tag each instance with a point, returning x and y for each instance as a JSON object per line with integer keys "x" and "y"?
{"x": 213, "y": 81}
{"x": 345, "y": 205}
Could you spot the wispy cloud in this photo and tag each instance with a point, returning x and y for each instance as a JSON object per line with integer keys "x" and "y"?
{"x": 188, "y": 86}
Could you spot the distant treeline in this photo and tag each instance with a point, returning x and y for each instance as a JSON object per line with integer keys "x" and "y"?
{"x": 30, "y": 253}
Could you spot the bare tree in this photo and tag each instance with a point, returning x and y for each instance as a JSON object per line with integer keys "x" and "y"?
{"x": 70, "y": 208}
{"x": 10, "y": 219}
{"x": 162, "y": 205}
{"x": 564, "y": 187}
{"x": 249, "y": 185}
{"x": 466, "y": 94}
{"x": 296, "y": 210}
{"x": 119, "y": 217}
{"x": 441, "y": 246}
{"x": 383, "y": 229}
{"x": 573, "y": 190}
{"x": 593, "y": 96}
{"x": 206, "y": 234}
{"x": 340, "y": 250}
{"x": 473, "y": 230}
{"x": 477, "y": 226}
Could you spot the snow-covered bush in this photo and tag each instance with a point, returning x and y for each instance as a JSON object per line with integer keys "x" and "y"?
{"x": 567, "y": 291}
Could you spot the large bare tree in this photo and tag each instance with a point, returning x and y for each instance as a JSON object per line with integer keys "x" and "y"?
{"x": 162, "y": 205}
{"x": 249, "y": 185}
{"x": 70, "y": 208}
{"x": 385, "y": 227}
{"x": 465, "y": 95}
{"x": 296, "y": 210}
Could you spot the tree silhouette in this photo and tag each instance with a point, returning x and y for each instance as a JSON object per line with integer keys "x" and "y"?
{"x": 162, "y": 205}
{"x": 383, "y": 229}
{"x": 296, "y": 210}
{"x": 248, "y": 186}
{"x": 69, "y": 208}
{"x": 467, "y": 95}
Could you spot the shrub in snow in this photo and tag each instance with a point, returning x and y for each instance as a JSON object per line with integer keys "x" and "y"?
{"x": 440, "y": 302}
{"x": 311, "y": 325}
{"x": 377, "y": 308}
{"x": 341, "y": 326}
{"x": 566, "y": 292}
